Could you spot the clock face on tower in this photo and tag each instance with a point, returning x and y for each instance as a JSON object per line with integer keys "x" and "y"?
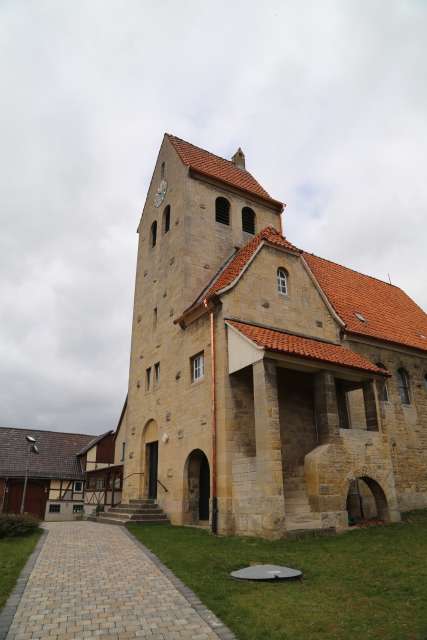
{"x": 160, "y": 194}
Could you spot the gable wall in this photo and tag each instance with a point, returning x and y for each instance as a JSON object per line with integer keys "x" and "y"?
{"x": 255, "y": 297}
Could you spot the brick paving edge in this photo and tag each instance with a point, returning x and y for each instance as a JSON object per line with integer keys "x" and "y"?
{"x": 8, "y": 612}
{"x": 221, "y": 630}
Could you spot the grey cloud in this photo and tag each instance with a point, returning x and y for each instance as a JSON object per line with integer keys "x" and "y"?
{"x": 326, "y": 99}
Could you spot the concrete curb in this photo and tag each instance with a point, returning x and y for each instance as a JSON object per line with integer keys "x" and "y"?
{"x": 8, "y": 612}
{"x": 206, "y": 614}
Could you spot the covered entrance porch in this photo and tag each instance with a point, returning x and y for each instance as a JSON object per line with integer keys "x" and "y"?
{"x": 311, "y": 424}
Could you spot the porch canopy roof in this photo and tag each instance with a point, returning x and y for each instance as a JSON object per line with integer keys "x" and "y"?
{"x": 248, "y": 343}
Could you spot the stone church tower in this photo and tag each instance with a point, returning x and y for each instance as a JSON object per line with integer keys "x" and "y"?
{"x": 269, "y": 390}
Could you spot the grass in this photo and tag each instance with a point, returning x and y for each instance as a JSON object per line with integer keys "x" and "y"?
{"x": 14, "y": 553}
{"x": 368, "y": 583}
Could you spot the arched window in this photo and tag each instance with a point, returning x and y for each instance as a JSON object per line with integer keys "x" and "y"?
{"x": 222, "y": 211}
{"x": 153, "y": 234}
{"x": 248, "y": 220}
{"x": 382, "y": 385}
{"x": 403, "y": 384}
{"x": 167, "y": 219}
{"x": 282, "y": 281}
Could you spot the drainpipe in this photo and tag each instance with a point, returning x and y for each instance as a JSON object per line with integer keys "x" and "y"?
{"x": 214, "y": 525}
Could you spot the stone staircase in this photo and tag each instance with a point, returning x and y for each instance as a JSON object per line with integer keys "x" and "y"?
{"x": 139, "y": 511}
{"x": 298, "y": 514}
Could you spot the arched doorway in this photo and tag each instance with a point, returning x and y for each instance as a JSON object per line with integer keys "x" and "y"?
{"x": 366, "y": 501}
{"x": 198, "y": 487}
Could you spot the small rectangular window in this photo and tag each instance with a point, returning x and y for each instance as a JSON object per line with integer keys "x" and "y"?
{"x": 148, "y": 379}
{"x": 77, "y": 487}
{"x": 122, "y": 459}
{"x": 197, "y": 367}
{"x": 100, "y": 484}
{"x": 157, "y": 374}
{"x": 54, "y": 508}
{"x": 77, "y": 508}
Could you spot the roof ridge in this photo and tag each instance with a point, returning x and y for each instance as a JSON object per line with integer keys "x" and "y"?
{"x": 66, "y": 433}
{"x": 171, "y": 135}
{"x": 343, "y": 266}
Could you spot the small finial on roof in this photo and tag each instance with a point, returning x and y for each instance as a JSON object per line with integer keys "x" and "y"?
{"x": 239, "y": 159}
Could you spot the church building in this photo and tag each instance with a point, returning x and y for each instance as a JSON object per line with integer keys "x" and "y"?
{"x": 270, "y": 390}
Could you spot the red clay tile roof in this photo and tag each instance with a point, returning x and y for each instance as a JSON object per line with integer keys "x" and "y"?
{"x": 390, "y": 314}
{"x": 281, "y": 342}
{"x": 235, "y": 266}
{"x": 211, "y": 165}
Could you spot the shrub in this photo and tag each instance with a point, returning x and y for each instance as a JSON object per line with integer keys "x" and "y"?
{"x": 13, "y": 525}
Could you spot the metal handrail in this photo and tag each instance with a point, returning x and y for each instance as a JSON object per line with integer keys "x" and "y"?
{"x": 136, "y": 473}
{"x": 162, "y": 485}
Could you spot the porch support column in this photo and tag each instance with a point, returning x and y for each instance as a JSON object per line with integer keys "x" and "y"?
{"x": 370, "y": 406}
{"x": 326, "y": 407}
{"x": 270, "y": 506}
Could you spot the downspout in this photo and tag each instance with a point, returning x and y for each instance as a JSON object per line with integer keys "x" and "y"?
{"x": 214, "y": 524}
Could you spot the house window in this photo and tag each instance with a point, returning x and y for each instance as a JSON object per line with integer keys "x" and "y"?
{"x": 122, "y": 459}
{"x": 197, "y": 367}
{"x": 403, "y": 384}
{"x": 77, "y": 508}
{"x": 282, "y": 281}
{"x": 222, "y": 211}
{"x": 91, "y": 482}
{"x": 153, "y": 234}
{"x": 157, "y": 374}
{"x": 382, "y": 386}
{"x": 54, "y": 508}
{"x": 167, "y": 219}
{"x": 248, "y": 220}
{"x": 77, "y": 487}
{"x": 148, "y": 379}
{"x": 100, "y": 484}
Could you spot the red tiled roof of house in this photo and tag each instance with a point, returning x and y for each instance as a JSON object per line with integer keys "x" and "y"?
{"x": 219, "y": 168}
{"x": 389, "y": 313}
{"x": 235, "y": 266}
{"x": 281, "y": 342}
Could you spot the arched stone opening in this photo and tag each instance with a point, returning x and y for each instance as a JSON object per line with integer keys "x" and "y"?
{"x": 196, "y": 488}
{"x": 366, "y": 501}
{"x": 150, "y": 452}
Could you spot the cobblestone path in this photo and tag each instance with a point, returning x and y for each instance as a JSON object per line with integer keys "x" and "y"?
{"x": 93, "y": 581}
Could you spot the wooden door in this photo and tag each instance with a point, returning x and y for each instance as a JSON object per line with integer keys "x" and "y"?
{"x": 35, "y": 499}
{"x": 153, "y": 460}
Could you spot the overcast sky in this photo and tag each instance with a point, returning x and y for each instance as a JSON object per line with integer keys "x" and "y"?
{"x": 327, "y": 99}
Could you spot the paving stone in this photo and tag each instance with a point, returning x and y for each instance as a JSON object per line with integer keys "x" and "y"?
{"x": 93, "y": 581}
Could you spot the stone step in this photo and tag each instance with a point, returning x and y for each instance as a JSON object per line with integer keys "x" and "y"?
{"x": 148, "y": 509}
{"x": 142, "y": 501}
{"x": 104, "y": 519}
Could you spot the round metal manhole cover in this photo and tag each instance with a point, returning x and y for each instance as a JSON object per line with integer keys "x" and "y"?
{"x": 266, "y": 572}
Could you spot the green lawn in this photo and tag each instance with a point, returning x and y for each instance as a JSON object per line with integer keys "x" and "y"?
{"x": 14, "y": 553}
{"x": 368, "y": 583}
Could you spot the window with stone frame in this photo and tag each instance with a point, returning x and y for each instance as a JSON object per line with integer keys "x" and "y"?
{"x": 403, "y": 385}
{"x": 153, "y": 234}
{"x": 197, "y": 367}
{"x": 282, "y": 281}
{"x": 248, "y": 220}
{"x": 222, "y": 211}
{"x": 166, "y": 219}
{"x": 382, "y": 385}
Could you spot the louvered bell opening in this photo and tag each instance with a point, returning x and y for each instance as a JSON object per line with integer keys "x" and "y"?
{"x": 248, "y": 220}
{"x": 222, "y": 211}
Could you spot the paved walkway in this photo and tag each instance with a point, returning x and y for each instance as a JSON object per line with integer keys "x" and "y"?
{"x": 94, "y": 581}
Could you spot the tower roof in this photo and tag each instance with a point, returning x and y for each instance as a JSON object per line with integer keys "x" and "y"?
{"x": 208, "y": 164}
